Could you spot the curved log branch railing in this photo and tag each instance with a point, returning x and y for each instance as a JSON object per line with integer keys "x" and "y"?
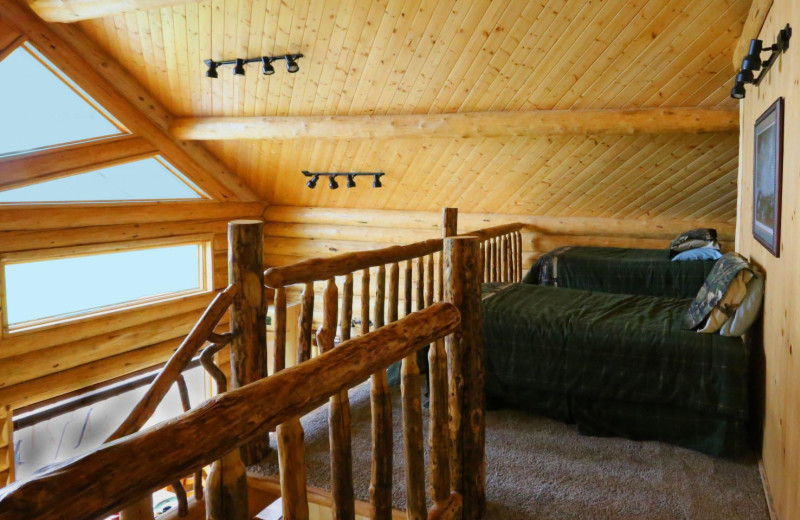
{"x": 106, "y": 479}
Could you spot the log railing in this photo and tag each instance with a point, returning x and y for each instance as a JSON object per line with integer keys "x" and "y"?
{"x": 434, "y": 270}
{"x": 412, "y": 272}
{"x": 501, "y": 252}
{"x": 106, "y": 479}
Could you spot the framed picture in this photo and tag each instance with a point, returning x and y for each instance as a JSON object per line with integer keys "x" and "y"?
{"x": 767, "y": 178}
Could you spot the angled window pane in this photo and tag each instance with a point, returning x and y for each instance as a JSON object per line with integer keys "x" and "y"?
{"x": 146, "y": 179}
{"x": 40, "y": 109}
{"x": 57, "y": 287}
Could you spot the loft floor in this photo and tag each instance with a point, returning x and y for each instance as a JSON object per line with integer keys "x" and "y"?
{"x": 541, "y": 469}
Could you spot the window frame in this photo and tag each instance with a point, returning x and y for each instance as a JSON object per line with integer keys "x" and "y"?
{"x": 205, "y": 278}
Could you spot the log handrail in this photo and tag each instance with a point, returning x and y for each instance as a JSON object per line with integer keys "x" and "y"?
{"x": 495, "y": 231}
{"x": 317, "y": 269}
{"x": 107, "y": 478}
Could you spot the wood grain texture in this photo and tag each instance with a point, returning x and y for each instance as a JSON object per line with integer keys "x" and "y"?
{"x": 433, "y": 61}
{"x": 752, "y": 27}
{"x": 338, "y": 417}
{"x": 777, "y": 366}
{"x": 248, "y": 316}
{"x": 465, "y": 376}
{"x": 68, "y": 11}
{"x": 228, "y": 419}
{"x": 460, "y": 125}
{"x": 21, "y": 170}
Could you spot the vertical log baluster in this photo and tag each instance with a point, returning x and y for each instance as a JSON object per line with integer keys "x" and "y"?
{"x": 429, "y": 281}
{"x": 513, "y": 237}
{"x": 487, "y": 260}
{"x": 304, "y": 323}
{"x": 226, "y": 498}
{"x": 410, "y": 384}
{"x": 465, "y": 352}
{"x": 394, "y": 292}
{"x": 408, "y": 288}
{"x": 291, "y": 450}
{"x": 347, "y": 307}
{"x": 338, "y": 418}
{"x": 507, "y": 256}
{"x": 380, "y": 487}
{"x": 503, "y": 258}
{"x": 280, "y": 330}
{"x": 180, "y": 491}
{"x": 495, "y": 260}
{"x": 520, "y": 274}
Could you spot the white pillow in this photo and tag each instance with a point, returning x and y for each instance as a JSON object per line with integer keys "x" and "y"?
{"x": 748, "y": 311}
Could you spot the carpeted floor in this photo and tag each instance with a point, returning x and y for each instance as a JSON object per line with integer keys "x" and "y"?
{"x": 538, "y": 468}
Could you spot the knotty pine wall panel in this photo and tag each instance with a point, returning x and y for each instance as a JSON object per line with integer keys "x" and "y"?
{"x": 780, "y": 333}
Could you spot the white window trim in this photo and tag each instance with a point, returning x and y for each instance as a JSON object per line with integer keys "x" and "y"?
{"x": 206, "y": 285}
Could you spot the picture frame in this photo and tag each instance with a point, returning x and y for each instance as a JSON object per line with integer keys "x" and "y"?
{"x": 768, "y": 177}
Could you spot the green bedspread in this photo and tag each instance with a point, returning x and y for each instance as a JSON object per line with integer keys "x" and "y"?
{"x": 615, "y": 364}
{"x": 620, "y": 270}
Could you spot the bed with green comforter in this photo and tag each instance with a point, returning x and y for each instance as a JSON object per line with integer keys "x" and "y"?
{"x": 615, "y": 364}
{"x": 619, "y": 270}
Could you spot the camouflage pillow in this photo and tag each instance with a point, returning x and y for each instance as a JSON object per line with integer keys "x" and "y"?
{"x": 715, "y": 286}
{"x": 702, "y": 237}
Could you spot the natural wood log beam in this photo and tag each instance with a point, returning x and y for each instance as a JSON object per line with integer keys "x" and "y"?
{"x": 58, "y": 216}
{"x": 108, "y": 83}
{"x": 752, "y": 27}
{"x": 75, "y": 10}
{"x": 100, "y": 482}
{"x": 53, "y": 163}
{"x": 454, "y": 126}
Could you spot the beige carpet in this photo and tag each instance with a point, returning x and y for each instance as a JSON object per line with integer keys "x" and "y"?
{"x": 538, "y": 468}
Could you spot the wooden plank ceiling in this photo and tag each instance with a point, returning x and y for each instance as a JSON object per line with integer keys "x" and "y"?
{"x": 416, "y": 57}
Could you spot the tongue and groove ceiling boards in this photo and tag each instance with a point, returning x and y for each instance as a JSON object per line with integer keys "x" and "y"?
{"x": 390, "y": 57}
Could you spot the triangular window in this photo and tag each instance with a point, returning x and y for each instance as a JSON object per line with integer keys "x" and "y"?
{"x": 145, "y": 179}
{"x": 42, "y": 108}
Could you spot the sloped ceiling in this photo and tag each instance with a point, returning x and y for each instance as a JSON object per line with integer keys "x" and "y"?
{"x": 416, "y": 57}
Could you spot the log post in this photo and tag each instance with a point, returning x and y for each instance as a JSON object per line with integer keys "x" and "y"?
{"x": 465, "y": 375}
{"x": 338, "y": 418}
{"x": 520, "y": 274}
{"x": 248, "y": 316}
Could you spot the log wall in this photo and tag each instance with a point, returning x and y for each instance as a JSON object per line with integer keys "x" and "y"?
{"x": 778, "y": 401}
{"x": 38, "y": 365}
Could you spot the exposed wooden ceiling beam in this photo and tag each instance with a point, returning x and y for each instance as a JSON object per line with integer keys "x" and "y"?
{"x": 122, "y": 95}
{"x": 752, "y": 26}
{"x": 460, "y": 125}
{"x": 76, "y": 10}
